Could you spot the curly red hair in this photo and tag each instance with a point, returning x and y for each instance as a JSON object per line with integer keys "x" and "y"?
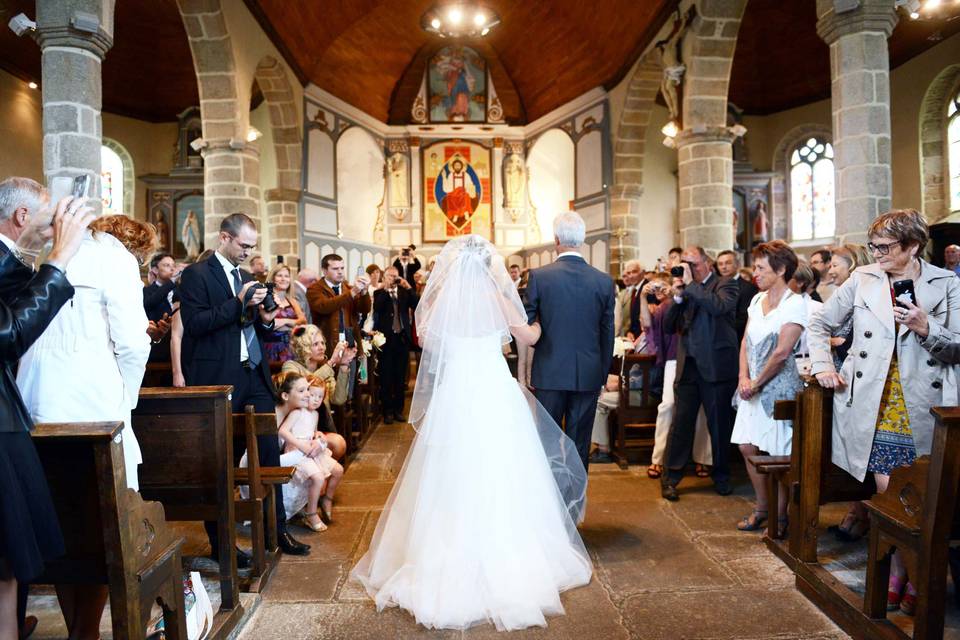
{"x": 139, "y": 238}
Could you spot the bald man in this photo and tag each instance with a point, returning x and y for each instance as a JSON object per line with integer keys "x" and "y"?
{"x": 951, "y": 258}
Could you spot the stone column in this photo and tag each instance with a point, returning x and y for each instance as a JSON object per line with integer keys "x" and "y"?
{"x": 860, "y": 96}
{"x": 705, "y": 207}
{"x": 74, "y": 37}
{"x": 231, "y": 184}
{"x": 283, "y": 206}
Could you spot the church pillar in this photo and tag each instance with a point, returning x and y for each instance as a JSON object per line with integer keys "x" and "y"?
{"x": 283, "y": 206}
{"x": 231, "y": 184}
{"x": 860, "y": 100}
{"x": 705, "y": 208}
{"x": 74, "y": 37}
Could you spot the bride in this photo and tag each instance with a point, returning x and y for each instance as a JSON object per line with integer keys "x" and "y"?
{"x": 481, "y": 523}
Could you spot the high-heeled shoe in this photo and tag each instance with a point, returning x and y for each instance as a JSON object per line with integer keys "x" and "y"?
{"x": 326, "y": 513}
{"x": 320, "y": 526}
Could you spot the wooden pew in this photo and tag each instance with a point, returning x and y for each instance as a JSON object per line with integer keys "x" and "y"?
{"x": 186, "y": 437}
{"x": 112, "y": 535}
{"x": 261, "y": 481}
{"x": 918, "y": 516}
{"x": 637, "y": 418}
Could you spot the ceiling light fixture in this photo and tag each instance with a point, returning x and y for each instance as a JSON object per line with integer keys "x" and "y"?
{"x": 933, "y": 10}
{"x": 459, "y": 19}
{"x": 32, "y": 85}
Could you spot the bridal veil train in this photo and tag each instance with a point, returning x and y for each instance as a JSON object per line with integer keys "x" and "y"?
{"x": 481, "y": 523}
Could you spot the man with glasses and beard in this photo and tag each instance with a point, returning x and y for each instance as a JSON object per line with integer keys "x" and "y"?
{"x": 223, "y": 325}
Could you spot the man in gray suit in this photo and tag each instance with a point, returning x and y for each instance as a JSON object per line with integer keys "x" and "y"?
{"x": 632, "y": 275}
{"x": 305, "y": 278}
{"x": 574, "y": 304}
{"x": 707, "y": 367}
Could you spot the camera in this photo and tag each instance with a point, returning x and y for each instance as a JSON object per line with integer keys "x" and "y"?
{"x": 405, "y": 253}
{"x": 676, "y": 272}
{"x": 269, "y": 302}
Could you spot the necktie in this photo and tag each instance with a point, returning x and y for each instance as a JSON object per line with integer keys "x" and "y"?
{"x": 249, "y": 333}
{"x": 336, "y": 290}
{"x": 396, "y": 312}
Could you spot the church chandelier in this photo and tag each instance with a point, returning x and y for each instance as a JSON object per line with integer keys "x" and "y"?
{"x": 459, "y": 20}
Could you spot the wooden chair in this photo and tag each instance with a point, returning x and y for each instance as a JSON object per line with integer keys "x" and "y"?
{"x": 918, "y": 516}
{"x": 112, "y": 535}
{"x": 158, "y": 374}
{"x": 186, "y": 437}
{"x": 261, "y": 482}
{"x": 636, "y": 421}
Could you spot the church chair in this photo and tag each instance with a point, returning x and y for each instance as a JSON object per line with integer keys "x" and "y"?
{"x": 113, "y": 536}
{"x": 636, "y": 421}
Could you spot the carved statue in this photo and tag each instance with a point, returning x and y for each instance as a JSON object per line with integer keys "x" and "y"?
{"x": 190, "y": 235}
{"x": 514, "y": 179}
{"x": 399, "y": 192}
{"x": 163, "y": 231}
{"x": 673, "y": 67}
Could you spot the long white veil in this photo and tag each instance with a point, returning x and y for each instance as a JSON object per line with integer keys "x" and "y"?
{"x": 470, "y": 295}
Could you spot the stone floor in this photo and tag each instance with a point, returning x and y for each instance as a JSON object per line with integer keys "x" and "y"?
{"x": 662, "y": 570}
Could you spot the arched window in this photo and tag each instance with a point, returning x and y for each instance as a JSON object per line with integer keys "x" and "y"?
{"x": 812, "y": 211}
{"x": 953, "y": 147}
{"x": 116, "y": 178}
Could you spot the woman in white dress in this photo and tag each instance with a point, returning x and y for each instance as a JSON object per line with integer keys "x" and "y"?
{"x": 89, "y": 363}
{"x": 776, "y": 319}
{"x": 475, "y": 531}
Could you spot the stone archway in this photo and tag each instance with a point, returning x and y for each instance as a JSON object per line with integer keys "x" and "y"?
{"x": 231, "y": 165}
{"x": 780, "y": 199}
{"x": 282, "y": 201}
{"x": 628, "y": 158}
{"x": 933, "y": 149}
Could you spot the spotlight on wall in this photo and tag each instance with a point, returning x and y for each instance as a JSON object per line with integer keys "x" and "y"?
{"x": 253, "y": 134}
{"x": 32, "y": 85}
{"x": 738, "y": 130}
{"x": 197, "y": 144}
{"x": 21, "y": 24}
{"x": 671, "y": 129}
{"x": 669, "y": 143}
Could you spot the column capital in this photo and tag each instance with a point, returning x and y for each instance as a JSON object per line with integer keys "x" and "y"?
{"x": 282, "y": 195}
{"x": 871, "y": 15}
{"x": 701, "y": 134}
{"x": 96, "y": 43}
{"x": 68, "y": 23}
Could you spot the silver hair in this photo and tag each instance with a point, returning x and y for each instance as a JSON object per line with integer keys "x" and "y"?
{"x": 19, "y": 192}
{"x": 632, "y": 263}
{"x": 569, "y": 229}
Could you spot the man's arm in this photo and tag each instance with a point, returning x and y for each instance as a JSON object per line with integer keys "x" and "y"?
{"x": 363, "y": 303}
{"x": 321, "y": 305}
{"x": 200, "y": 317}
{"x": 532, "y": 302}
{"x": 154, "y": 295}
{"x": 607, "y": 329}
{"x": 673, "y": 319}
{"x": 720, "y": 302}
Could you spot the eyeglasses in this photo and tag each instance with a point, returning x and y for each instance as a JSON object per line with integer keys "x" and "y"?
{"x": 882, "y": 249}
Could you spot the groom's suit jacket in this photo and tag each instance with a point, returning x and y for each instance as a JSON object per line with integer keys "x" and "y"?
{"x": 575, "y": 306}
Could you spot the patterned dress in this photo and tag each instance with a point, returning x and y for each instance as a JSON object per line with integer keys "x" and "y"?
{"x": 277, "y": 343}
{"x": 893, "y": 442}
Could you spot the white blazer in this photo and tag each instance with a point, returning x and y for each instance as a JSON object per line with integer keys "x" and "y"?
{"x": 88, "y": 365}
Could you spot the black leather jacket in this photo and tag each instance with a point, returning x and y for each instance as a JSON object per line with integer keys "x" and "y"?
{"x": 28, "y": 303}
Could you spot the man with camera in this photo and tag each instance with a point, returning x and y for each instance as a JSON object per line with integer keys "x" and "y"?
{"x": 407, "y": 265}
{"x": 335, "y": 305}
{"x": 707, "y": 366}
{"x": 393, "y": 305}
{"x": 225, "y": 312}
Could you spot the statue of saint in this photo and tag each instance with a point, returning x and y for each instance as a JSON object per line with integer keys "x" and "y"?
{"x": 397, "y": 168}
{"x": 514, "y": 180}
{"x": 163, "y": 231}
{"x": 190, "y": 235}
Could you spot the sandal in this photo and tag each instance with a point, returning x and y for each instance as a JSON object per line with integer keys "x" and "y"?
{"x": 326, "y": 514}
{"x": 703, "y": 470}
{"x": 319, "y": 526}
{"x": 654, "y": 471}
{"x": 754, "y": 521}
{"x": 856, "y": 529}
{"x": 908, "y": 605}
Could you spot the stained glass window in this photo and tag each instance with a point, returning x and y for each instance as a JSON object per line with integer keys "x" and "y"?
{"x": 813, "y": 214}
{"x": 111, "y": 181}
{"x": 953, "y": 150}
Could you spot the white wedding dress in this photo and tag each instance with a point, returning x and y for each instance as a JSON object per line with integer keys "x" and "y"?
{"x": 481, "y": 523}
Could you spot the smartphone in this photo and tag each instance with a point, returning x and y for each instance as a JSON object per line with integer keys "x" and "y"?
{"x": 903, "y": 290}
{"x": 676, "y": 272}
{"x": 350, "y": 340}
{"x": 81, "y": 185}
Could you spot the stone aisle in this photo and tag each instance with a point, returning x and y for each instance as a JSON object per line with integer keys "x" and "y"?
{"x": 662, "y": 570}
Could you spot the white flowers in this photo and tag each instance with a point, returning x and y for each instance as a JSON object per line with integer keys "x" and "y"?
{"x": 378, "y": 339}
{"x": 622, "y": 346}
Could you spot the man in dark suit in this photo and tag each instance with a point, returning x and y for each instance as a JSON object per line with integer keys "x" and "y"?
{"x": 407, "y": 265}
{"x": 223, "y": 323}
{"x": 392, "y": 306}
{"x": 574, "y": 304}
{"x": 158, "y": 297}
{"x": 707, "y": 367}
{"x": 335, "y": 305}
{"x": 728, "y": 266}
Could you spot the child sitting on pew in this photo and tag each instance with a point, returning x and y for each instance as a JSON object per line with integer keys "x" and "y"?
{"x": 319, "y": 390}
{"x": 317, "y": 473}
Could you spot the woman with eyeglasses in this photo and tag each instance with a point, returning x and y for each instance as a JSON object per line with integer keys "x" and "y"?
{"x": 902, "y": 361}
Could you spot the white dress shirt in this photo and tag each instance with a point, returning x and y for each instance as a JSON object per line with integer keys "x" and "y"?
{"x": 228, "y": 269}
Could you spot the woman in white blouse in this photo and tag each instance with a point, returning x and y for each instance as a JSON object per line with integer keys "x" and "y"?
{"x": 89, "y": 363}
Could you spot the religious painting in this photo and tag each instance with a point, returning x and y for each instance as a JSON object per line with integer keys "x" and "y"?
{"x": 457, "y": 85}
{"x": 456, "y": 191}
{"x": 752, "y": 223}
{"x": 189, "y": 226}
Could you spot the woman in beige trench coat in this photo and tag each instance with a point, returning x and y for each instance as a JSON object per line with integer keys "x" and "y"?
{"x": 902, "y": 361}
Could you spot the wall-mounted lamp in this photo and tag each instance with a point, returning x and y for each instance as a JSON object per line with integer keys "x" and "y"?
{"x": 197, "y": 144}
{"x": 253, "y": 134}
{"x": 671, "y": 129}
{"x": 738, "y": 130}
{"x": 32, "y": 84}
